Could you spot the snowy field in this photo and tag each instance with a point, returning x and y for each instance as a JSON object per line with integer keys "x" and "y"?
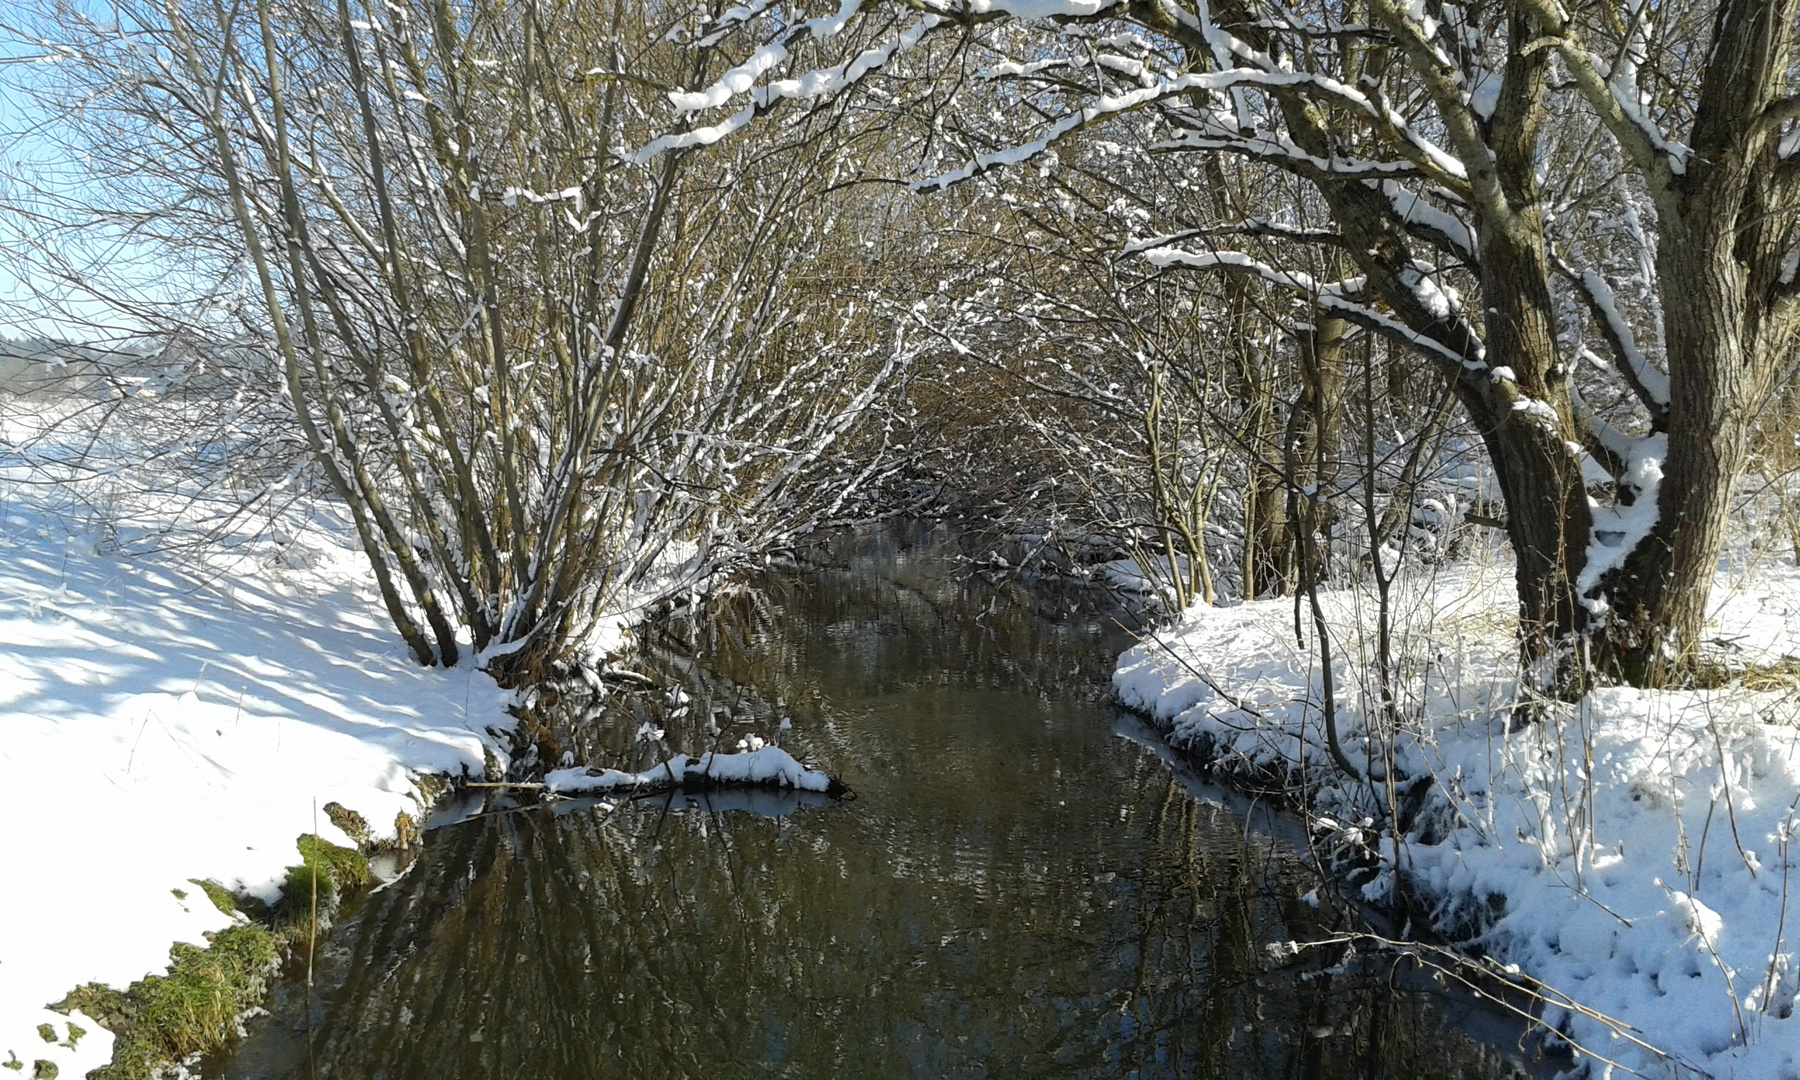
{"x": 1632, "y": 852}
{"x": 169, "y": 717}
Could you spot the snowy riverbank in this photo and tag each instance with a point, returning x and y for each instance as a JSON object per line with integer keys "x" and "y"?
{"x": 1632, "y": 852}
{"x": 172, "y": 716}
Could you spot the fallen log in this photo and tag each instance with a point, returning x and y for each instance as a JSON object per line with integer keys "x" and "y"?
{"x": 769, "y": 766}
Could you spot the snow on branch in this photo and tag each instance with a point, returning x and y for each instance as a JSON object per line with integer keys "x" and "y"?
{"x": 1790, "y": 143}
{"x": 1014, "y": 69}
{"x": 1648, "y": 382}
{"x": 821, "y": 30}
{"x": 1233, "y": 78}
{"x": 1108, "y": 105}
{"x": 1613, "y": 99}
{"x": 1618, "y": 447}
{"x": 822, "y": 83}
{"x": 1619, "y": 529}
{"x": 1425, "y": 153}
{"x": 1250, "y": 226}
{"x": 1333, "y": 297}
{"x": 764, "y": 59}
{"x": 1028, "y": 10}
{"x": 1673, "y": 153}
{"x": 1441, "y": 228}
{"x": 1277, "y": 149}
{"x": 1129, "y": 67}
{"x": 1622, "y": 81}
{"x": 1479, "y": 82}
{"x": 1241, "y": 68}
{"x": 1298, "y": 281}
{"x": 731, "y": 20}
{"x": 766, "y": 766}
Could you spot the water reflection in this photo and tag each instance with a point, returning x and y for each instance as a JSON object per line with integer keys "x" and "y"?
{"x": 1016, "y": 891}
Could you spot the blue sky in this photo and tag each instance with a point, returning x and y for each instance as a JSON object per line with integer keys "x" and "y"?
{"x": 25, "y": 147}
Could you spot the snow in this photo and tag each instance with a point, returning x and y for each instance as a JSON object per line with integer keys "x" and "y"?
{"x": 1415, "y": 12}
{"x": 1032, "y": 9}
{"x": 1484, "y": 98}
{"x": 1273, "y": 144}
{"x": 1012, "y": 69}
{"x": 1230, "y": 78}
{"x": 1633, "y": 101}
{"x": 1430, "y": 296}
{"x": 1617, "y": 529}
{"x": 766, "y": 765}
{"x": 1631, "y": 851}
{"x": 1537, "y": 408}
{"x": 733, "y": 82}
{"x": 1414, "y": 210}
{"x": 169, "y": 718}
{"x": 821, "y": 84}
{"x": 1652, "y": 378}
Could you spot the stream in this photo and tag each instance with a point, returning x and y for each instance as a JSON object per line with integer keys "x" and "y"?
{"x": 1023, "y": 885}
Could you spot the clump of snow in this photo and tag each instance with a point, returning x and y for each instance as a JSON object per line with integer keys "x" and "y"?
{"x": 1633, "y": 850}
{"x": 1619, "y": 528}
{"x": 1537, "y": 408}
{"x": 769, "y": 766}
{"x": 169, "y": 717}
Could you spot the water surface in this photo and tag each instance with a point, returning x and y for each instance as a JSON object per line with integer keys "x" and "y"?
{"x": 1016, "y": 889}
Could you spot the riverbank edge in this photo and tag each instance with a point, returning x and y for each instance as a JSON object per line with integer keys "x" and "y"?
{"x": 165, "y": 1023}
{"x": 1232, "y": 691}
{"x": 1491, "y": 1009}
{"x": 1346, "y": 870}
{"x": 1401, "y": 909}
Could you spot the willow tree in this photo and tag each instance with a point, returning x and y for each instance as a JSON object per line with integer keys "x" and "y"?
{"x": 543, "y": 380}
{"x": 1582, "y": 216}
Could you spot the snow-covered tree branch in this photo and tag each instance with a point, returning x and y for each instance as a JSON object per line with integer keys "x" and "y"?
{"x": 1451, "y": 150}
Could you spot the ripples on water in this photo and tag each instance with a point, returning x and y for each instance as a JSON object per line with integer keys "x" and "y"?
{"x": 1016, "y": 890}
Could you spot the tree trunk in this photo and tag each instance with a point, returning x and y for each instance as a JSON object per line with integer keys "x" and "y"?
{"x": 1726, "y": 224}
{"x": 1266, "y": 562}
{"x": 1311, "y": 440}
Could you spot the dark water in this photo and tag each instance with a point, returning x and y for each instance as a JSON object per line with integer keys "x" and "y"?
{"x": 1017, "y": 890}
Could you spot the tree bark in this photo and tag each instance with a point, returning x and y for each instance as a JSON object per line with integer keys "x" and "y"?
{"x": 1311, "y": 440}
{"x": 1267, "y": 560}
{"x": 1727, "y": 221}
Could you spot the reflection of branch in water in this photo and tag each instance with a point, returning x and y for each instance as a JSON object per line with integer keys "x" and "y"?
{"x": 1489, "y": 981}
{"x": 1016, "y": 892}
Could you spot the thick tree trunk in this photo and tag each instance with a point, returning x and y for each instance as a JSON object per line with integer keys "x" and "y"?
{"x": 1655, "y": 603}
{"x": 1728, "y": 212}
{"x": 1547, "y": 525}
{"x": 1527, "y": 422}
{"x": 1727, "y": 221}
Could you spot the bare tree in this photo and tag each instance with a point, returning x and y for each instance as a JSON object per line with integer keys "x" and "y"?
{"x": 540, "y": 378}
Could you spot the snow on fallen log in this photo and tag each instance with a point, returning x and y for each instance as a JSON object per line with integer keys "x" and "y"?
{"x": 769, "y": 766}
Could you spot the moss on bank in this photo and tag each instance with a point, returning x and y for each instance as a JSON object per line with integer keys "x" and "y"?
{"x": 194, "y": 1009}
{"x": 311, "y": 890}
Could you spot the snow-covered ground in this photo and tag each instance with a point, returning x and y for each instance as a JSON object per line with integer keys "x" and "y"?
{"x": 1632, "y": 852}
{"x": 168, "y": 717}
